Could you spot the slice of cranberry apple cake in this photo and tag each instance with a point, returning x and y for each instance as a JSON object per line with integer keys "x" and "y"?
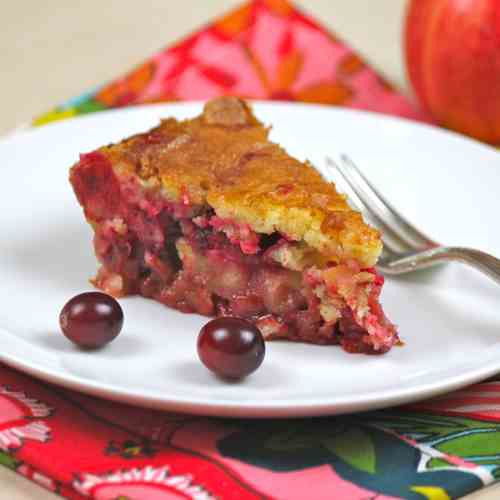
{"x": 208, "y": 216}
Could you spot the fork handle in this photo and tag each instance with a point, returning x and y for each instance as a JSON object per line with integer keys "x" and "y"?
{"x": 482, "y": 261}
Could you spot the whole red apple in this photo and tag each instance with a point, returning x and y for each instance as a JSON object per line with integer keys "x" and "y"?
{"x": 453, "y": 60}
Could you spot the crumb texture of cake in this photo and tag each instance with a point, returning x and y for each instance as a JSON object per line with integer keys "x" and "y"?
{"x": 224, "y": 158}
{"x": 207, "y": 215}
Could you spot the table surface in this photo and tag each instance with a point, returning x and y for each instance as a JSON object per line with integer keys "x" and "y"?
{"x": 54, "y": 51}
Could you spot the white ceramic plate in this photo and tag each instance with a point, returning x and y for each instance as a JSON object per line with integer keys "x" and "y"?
{"x": 449, "y": 317}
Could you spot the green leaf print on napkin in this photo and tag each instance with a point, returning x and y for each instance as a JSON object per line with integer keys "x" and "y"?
{"x": 357, "y": 451}
{"x": 355, "y": 447}
{"x": 7, "y": 461}
{"x": 474, "y": 440}
{"x": 351, "y": 444}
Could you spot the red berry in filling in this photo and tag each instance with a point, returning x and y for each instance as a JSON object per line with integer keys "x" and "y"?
{"x": 231, "y": 347}
{"x": 91, "y": 320}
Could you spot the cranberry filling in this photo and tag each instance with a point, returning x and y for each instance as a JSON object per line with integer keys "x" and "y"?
{"x": 196, "y": 262}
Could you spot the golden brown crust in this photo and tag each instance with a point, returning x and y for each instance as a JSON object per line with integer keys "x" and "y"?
{"x": 224, "y": 158}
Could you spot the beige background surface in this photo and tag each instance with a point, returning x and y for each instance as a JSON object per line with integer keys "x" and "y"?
{"x": 53, "y": 50}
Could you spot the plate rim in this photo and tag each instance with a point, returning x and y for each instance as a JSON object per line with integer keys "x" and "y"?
{"x": 227, "y": 408}
{"x": 374, "y": 115}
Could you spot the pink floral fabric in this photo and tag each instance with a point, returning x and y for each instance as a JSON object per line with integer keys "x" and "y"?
{"x": 266, "y": 49}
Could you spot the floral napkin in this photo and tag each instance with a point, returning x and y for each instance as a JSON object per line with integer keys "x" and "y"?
{"x": 83, "y": 447}
{"x": 266, "y": 49}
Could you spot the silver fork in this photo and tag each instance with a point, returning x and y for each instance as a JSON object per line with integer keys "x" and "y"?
{"x": 406, "y": 249}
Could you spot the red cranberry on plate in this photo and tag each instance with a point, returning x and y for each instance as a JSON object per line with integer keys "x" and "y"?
{"x": 91, "y": 320}
{"x": 231, "y": 347}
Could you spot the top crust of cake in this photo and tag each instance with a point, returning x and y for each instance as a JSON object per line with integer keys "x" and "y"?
{"x": 223, "y": 158}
